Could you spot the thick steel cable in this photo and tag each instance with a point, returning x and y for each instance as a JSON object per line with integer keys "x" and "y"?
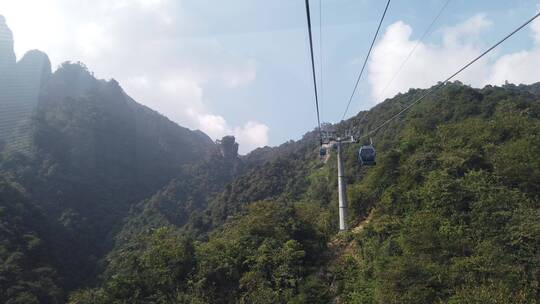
{"x": 321, "y": 58}
{"x": 366, "y": 60}
{"x": 313, "y": 70}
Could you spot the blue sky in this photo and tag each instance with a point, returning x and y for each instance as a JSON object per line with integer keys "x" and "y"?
{"x": 241, "y": 66}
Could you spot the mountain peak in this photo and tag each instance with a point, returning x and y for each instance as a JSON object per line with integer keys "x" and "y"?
{"x": 7, "y": 55}
{"x": 35, "y": 64}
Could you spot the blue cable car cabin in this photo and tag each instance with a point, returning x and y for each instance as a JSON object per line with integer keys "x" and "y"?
{"x": 366, "y": 155}
{"x": 322, "y": 152}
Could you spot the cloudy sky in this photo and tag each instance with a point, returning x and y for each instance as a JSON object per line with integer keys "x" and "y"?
{"x": 241, "y": 66}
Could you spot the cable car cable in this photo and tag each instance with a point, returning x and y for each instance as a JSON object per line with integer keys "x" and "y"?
{"x": 313, "y": 70}
{"x": 424, "y": 35}
{"x": 366, "y": 60}
{"x": 438, "y": 86}
{"x": 321, "y": 58}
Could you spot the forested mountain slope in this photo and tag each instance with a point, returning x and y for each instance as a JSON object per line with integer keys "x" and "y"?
{"x": 453, "y": 204}
{"x": 26, "y": 271}
{"x": 83, "y": 152}
{"x": 182, "y": 200}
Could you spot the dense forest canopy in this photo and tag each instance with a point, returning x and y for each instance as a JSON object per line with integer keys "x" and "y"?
{"x": 103, "y": 200}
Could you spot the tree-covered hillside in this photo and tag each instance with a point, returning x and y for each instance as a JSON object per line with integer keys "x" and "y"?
{"x": 83, "y": 152}
{"x": 448, "y": 215}
{"x": 454, "y": 205}
{"x": 26, "y": 272}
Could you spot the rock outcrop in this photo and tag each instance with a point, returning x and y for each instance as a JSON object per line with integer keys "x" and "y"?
{"x": 20, "y": 84}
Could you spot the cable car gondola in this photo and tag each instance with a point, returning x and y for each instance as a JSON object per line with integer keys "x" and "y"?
{"x": 367, "y": 155}
{"x": 322, "y": 152}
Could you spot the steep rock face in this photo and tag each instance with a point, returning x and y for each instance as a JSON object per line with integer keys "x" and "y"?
{"x": 7, "y": 79}
{"x": 20, "y": 84}
{"x": 7, "y": 56}
{"x": 32, "y": 73}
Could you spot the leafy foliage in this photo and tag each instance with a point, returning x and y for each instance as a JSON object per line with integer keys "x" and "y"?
{"x": 260, "y": 257}
{"x": 25, "y": 275}
{"x": 457, "y": 222}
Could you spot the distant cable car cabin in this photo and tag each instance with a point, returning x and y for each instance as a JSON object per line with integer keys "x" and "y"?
{"x": 322, "y": 152}
{"x": 367, "y": 155}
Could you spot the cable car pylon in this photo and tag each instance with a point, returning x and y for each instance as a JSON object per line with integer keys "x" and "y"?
{"x": 331, "y": 141}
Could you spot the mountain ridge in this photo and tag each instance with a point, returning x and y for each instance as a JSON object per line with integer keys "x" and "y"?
{"x": 83, "y": 151}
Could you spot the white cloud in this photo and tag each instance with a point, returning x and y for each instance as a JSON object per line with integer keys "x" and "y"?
{"x": 213, "y": 125}
{"x": 35, "y": 24}
{"x": 434, "y": 62}
{"x": 92, "y": 39}
{"x": 429, "y": 63}
{"x": 519, "y": 67}
{"x": 250, "y": 136}
{"x": 150, "y": 3}
{"x": 243, "y": 76}
{"x": 140, "y": 81}
{"x": 183, "y": 87}
{"x": 536, "y": 31}
{"x": 466, "y": 32}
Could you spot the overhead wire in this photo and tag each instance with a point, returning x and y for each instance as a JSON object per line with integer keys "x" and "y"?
{"x": 424, "y": 35}
{"x": 366, "y": 60}
{"x": 321, "y": 58}
{"x": 313, "y": 71}
{"x": 442, "y": 83}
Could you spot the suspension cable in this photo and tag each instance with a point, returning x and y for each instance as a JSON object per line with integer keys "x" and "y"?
{"x": 321, "y": 58}
{"x": 441, "y": 84}
{"x": 313, "y": 70}
{"x": 366, "y": 60}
